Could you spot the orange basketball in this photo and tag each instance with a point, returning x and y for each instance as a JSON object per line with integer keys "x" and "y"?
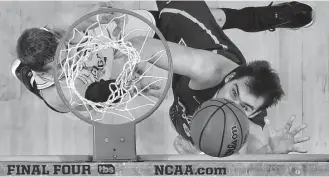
{"x": 219, "y": 128}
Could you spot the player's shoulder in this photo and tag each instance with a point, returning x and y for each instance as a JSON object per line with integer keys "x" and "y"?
{"x": 16, "y": 67}
{"x": 22, "y": 72}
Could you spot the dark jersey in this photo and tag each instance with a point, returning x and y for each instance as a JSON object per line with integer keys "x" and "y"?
{"x": 191, "y": 23}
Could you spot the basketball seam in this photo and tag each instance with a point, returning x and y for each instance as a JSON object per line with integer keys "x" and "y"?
{"x": 205, "y": 108}
{"x": 198, "y": 111}
{"x": 195, "y": 114}
{"x": 220, "y": 102}
{"x": 224, "y": 128}
{"x": 224, "y": 104}
{"x": 210, "y": 106}
{"x": 205, "y": 125}
{"x": 236, "y": 117}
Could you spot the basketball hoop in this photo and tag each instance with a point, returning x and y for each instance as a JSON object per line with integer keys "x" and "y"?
{"x": 111, "y": 142}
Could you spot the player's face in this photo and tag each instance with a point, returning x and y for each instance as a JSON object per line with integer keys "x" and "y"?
{"x": 237, "y": 91}
{"x": 47, "y": 69}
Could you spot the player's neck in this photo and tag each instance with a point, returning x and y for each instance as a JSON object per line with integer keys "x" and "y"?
{"x": 228, "y": 69}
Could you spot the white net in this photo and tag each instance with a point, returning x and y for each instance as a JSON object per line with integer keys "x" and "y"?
{"x": 127, "y": 84}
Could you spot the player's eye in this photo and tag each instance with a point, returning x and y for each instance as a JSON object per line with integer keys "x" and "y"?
{"x": 234, "y": 94}
{"x": 244, "y": 107}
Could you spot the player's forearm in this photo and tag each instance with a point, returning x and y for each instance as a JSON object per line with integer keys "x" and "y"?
{"x": 199, "y": 65}
{"x": 50, "y": 95}
{"x": 148, "y": 51}
{"x": 81, "y": 87}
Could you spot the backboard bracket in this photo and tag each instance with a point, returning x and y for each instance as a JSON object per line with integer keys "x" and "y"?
{"x": 114, "y": 142}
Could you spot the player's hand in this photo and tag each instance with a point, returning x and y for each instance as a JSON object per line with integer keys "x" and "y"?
{"x": 285, "y": 141}
{"x": 145, "y": 86}
{"x": 118, "y": 18}
{"x": 149, "y": 84}
{"x": 141, "y": 83}
{"x": 103, "y": 18}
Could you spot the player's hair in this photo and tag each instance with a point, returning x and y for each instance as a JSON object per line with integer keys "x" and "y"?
{"x": 36, "y": 48}
{"x": 262, "y": 81}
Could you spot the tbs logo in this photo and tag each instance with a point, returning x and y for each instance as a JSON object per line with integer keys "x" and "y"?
{"x": 106, "y": 169}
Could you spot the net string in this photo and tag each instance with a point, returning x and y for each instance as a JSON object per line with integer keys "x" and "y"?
{"x": 76, "y": 55}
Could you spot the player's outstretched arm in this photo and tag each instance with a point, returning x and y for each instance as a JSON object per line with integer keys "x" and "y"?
{"x": 283, "y": 141}
{"x": 199, "y": 65}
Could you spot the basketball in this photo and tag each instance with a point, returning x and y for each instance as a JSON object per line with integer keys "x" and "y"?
{"x": 219, "y": 128}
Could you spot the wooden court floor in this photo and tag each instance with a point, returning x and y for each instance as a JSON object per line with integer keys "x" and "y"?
{"x": 301, "y": 58}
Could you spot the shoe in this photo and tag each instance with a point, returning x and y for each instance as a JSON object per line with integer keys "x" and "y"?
{"x": 294, "y": 15}
{"x": 291, "y": 15}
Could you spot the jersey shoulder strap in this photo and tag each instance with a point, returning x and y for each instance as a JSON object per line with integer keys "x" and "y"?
{"x": 25, "y": 75}
{"x": 41, "y": 83}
